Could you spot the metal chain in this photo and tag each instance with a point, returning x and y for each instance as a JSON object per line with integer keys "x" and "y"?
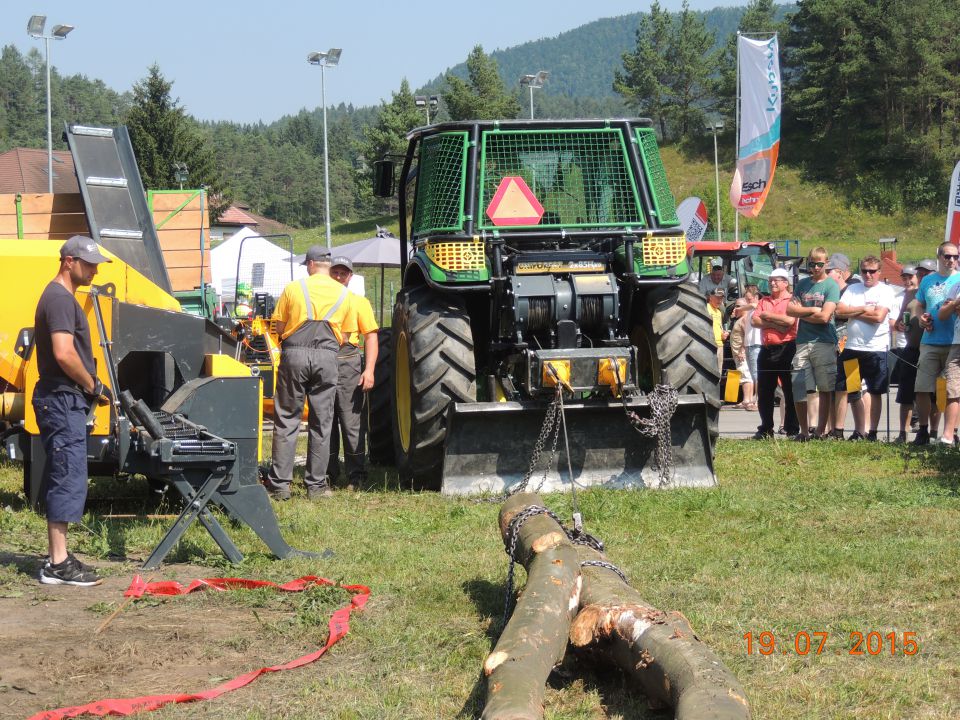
{"x": 607, "y": 565}
{"x": 663, "y": 403}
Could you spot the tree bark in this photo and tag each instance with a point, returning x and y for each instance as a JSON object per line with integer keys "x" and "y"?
{"x": 535, "y": 637}
{"x": 659, "y": 650}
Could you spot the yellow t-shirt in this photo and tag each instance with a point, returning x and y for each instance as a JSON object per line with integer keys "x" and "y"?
{"x": 717, "y": 315}
{"x": 359, "y": 321}
{"x": 324, "y": 291}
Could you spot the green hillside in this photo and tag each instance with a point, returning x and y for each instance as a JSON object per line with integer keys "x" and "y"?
{"x": 813, "y": 213}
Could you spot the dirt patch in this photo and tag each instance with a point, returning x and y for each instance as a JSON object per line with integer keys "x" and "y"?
{"x": 51, "y": 657}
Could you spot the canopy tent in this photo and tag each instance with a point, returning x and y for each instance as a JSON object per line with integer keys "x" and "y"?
{"x": 380, "y": 251}
{"x": 248, "y": 257}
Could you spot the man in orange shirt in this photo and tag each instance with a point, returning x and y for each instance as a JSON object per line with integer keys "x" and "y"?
{"x": 348, "y": 411}
{"x": 778, "y": 333}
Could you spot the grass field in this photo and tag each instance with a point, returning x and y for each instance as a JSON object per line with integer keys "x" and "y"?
{"x": 836, "y": 538}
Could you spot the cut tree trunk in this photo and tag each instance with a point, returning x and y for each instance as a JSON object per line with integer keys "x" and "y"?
{"x": 659, "y": 650}
{"x": 536, "y": 636}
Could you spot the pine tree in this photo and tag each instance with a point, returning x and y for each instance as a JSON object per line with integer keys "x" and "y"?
{"x": 162, "y": 135}
{"x": 693, "y": 65}
{"x": 483, "y": 96}
{"x": 643, "y": 82}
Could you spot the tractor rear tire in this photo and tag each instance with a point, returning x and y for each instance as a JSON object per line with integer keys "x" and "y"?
{"x": 433, "y": 366}
{"x": 676, "y": 346}
{"x": 379, "y": 403}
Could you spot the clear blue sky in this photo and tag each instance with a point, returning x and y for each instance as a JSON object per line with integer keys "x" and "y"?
{"x": 246, "y": 61}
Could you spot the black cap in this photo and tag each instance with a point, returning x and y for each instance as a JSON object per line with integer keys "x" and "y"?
{"x": 316, "y": 253}
{"x": 342, "y": 260}
{"x": 84, "y": 248}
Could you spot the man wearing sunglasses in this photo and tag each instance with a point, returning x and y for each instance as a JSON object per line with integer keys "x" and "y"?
{"x": 814, "y": 301}
{"x": 866, "y": 307}
{"x": 936, "y": 341}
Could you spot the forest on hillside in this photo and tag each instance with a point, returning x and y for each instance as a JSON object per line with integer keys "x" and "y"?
{"x": 870, "y": 104}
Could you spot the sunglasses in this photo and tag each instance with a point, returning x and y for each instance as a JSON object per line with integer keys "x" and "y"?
{"x": 816, "y": 264}
{"x": 950, "y": 257}
{"x": 869, "y": 272}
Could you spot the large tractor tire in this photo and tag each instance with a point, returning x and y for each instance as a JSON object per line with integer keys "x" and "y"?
{"x": 676, "y": 346}
{"x": 379, "y": 403}
{"x": 433, "y": 366}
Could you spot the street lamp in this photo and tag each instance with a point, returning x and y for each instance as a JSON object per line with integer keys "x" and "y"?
{"x": 716, "y": 127}
{"x": 534, "y": 81}
{"x": 330, "y": 58}
{"x": 35, "y": 30}
{"x": 427, "y": 102}
{"x": 180, "y": 173}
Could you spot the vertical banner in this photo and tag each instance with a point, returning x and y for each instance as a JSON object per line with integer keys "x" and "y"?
{"x": 952, "y": 233}
{"x": 758, "y": 142}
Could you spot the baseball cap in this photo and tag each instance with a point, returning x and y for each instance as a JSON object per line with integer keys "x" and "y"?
{"x": 716, "y": 263}
{"x": 84, "y": 248}
{"x": 316, "y": 253}
{"x": 344, "y": 261}
{"x": 780, "y": 273}
{"x": 908, "y": 270}
{"x": 928, "y": 265}
{"x": 718, "y": 291}
{"x": 838, "y": 261}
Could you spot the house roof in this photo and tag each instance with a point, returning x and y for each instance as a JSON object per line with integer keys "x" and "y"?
{"x": 240, "y": 214}
{"x": 24, "y": 170}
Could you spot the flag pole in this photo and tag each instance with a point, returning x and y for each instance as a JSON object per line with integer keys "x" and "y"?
{"x": 736, "y": 141}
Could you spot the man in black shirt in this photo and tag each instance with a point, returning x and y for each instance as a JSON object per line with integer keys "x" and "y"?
{"x": 67, "y": 387}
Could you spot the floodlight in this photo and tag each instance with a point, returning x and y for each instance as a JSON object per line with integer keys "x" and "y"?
{"x": 35, "y": 25}
{"x": 61, "y": 31}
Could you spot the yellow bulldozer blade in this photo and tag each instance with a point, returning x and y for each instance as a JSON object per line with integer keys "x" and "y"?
{"x": 489, "y": 446}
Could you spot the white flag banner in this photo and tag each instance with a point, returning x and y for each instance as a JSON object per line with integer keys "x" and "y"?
{"x": 692, "y": 214}
{"x": 758, "y": 142}
{"x": 952, "y": 233}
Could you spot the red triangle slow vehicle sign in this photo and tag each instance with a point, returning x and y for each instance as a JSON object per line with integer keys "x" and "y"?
{"x": 514, "y": 204}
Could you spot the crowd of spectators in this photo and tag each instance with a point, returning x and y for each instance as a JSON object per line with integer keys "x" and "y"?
{"x": 838, "y": 340}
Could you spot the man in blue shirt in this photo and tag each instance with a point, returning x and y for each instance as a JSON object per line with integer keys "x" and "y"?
{"x": 937, "y": 335}
{"x": 814, "y": 301}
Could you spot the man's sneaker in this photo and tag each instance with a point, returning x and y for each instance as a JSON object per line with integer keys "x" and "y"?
{"x": 762, "y": 435}
{"x": 901, "y": 438}
{"x": 319, "y": 492}
{"x": 922, "y": 437}
{"x": 275, "y": 491}
{"x": 69, "y": 572}
{"x": 872, "y": 436}
{"x": 857, "y": 435}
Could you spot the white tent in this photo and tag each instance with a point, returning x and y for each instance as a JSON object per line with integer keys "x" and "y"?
{"x": 264, "y": 265}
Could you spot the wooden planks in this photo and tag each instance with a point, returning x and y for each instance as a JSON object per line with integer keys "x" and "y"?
{"x": 44, "y": 216}
{"x": 180, "y": 227}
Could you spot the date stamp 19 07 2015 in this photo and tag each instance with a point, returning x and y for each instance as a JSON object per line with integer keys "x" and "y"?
{"x": 817, "y": 642}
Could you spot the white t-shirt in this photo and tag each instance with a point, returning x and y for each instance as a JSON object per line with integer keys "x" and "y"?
{"x": 951, "y": 295}
{"x": 899, "y": 338}
{"x": 861, "y": 334}
{"x": 752, "y": 336}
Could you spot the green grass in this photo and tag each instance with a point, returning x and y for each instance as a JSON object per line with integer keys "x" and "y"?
{"x": 830, "y": 537}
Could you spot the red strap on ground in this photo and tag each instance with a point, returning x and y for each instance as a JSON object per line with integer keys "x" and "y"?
{"x": 339, "y": 626}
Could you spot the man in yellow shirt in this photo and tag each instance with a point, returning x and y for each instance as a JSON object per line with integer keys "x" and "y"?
{"x": 354, "y": 383}
{"x": 715, "y": 299}
{"x": 309, "y": 317}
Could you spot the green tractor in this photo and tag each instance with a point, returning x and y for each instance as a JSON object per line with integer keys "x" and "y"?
{"x": 539, "y": 254}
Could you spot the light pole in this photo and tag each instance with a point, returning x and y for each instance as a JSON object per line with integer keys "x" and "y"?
{"x": 534, "y": 81}
{"x": 330, "y": 58}
{"x": 427, "y": 102}
{"x": 59, "y": 32}
{"x": 716, "y": 127}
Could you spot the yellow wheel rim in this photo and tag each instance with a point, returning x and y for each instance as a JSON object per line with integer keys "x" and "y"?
{"x": 402, "y": 385}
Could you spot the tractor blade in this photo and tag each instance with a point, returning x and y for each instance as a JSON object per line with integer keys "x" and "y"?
{"x": 489, "y": 446}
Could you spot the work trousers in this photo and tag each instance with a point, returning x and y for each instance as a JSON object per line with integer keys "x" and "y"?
{"x": 62, "y": 419}
{"x": 348, "y": 419}
{"x": 304, "y": 373}
{"x": 773, "y": 364}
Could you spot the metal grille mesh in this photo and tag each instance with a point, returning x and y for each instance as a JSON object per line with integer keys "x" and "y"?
{"x": 439, "y": 206}
{"x": 663, "y": 199}
{"x": 457, "y": 256}
{"x": 581, "y": 177}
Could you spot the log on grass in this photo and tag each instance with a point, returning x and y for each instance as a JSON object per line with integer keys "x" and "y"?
{"x": 659, "y": 650}
{"x": 536, "y": 635}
